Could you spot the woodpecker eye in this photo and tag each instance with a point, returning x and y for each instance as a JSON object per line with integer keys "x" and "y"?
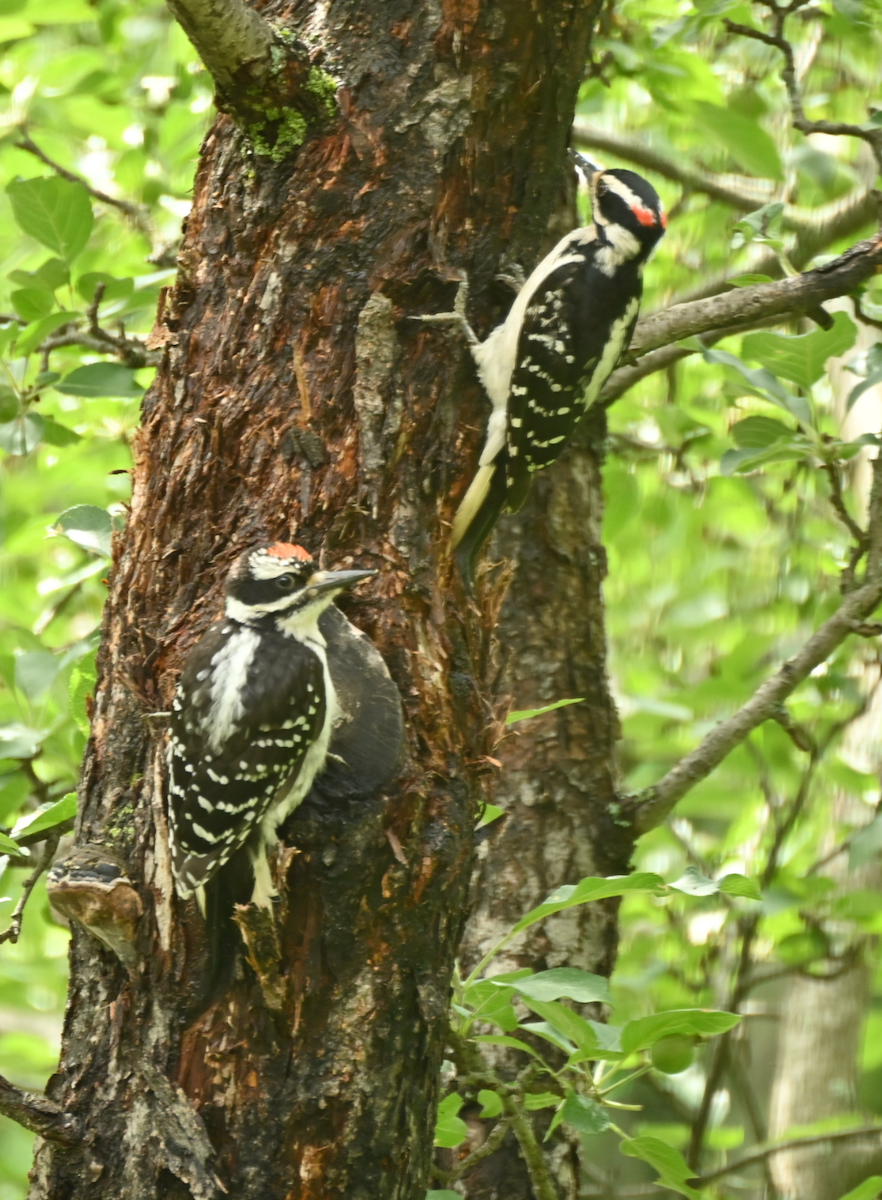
{"x": 285, "y": 582}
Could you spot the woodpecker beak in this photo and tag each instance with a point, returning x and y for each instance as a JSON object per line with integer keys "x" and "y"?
{"x": 336, "y": 581}
{"x": 588, "y": 169}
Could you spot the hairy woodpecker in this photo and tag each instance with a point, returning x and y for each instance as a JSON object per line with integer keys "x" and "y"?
{"x": 545, "y": 365}
{"x": 252, "y": 716}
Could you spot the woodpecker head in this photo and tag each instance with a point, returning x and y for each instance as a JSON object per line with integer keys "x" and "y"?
{"x": 624, "y": 199}
{"x": 282, "y": 582}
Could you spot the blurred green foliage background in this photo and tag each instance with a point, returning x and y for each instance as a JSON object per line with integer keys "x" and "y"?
{"x": 719, "y": 565}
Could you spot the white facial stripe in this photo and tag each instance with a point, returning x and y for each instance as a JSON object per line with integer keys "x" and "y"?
{"x": 621, "y": 189}
{"x": 269, "y": 566}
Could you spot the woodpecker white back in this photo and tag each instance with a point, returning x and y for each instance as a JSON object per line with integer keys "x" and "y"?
{"x": 252, "y": 716}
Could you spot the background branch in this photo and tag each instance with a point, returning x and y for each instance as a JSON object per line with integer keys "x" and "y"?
{"x": 765, "y": 1152}
{"x": 653, "y": 804}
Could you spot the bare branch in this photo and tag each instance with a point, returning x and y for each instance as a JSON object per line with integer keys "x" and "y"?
{"x": 37, "y": 1113}
{"x": 653, "y": 804}
{"x": 135, "y": 212}
{"x": 758, "y": 1156}
{"x": 872, "y": 136}
{"x": 13, "y": 933}
{"x": 743, "y": 198}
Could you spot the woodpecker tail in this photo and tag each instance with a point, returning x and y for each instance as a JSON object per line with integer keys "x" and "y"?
{"x": 480, "y": 510}
{"x": 231, "y": 885}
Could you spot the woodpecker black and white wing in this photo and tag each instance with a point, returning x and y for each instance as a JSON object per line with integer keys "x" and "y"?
{"x": 575, "y": 329}
{"x": 243, "y": 728}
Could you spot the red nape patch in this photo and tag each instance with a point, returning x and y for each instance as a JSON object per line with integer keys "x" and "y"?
{"x": 289, "y": 550}
{"x": 644, "y": 215}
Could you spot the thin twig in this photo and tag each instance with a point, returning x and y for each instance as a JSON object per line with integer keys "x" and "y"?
{"x": 494, "y": 1140}
{"x": 831, "y": 470}
{"x": 13, "y": 933}
{"x": 652, "y": 805}
{"x": 818, "y": 1139}
{"x": 135, "y": 212}
{"x": 873, "y": 137}
{"x": 534, "y": 1159}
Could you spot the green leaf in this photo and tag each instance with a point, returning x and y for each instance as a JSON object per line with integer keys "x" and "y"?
{"x": 54, "y": 272}
{"x": 114, "y": 289}
{"x": 868, "y": 1190}
{"x": 584, "y": 1115}
{"x": 53, "y": 210}
{"x": 740, "y": 462}
{"x": 500, "y": 1039}
{"x": 443, "y": 1194}
{"x": 83, "y": 677}
{"x": 450, "y": 1130}
{"x": 564, "y": 981}
{"x": 491, "y": 1103}
{"x": 534, "y": 1101}
{"x": 8, "y": 846}
{"x": 800, "y": 359}
{"x": 757, "y": 432}
{"x": 47, "y": 817}
{"x": 31, "y": 337}
{"x": 691, "y": 1022}
{"x": 35, "y": 672}
{"x": 764, "y": 384}
{"x": 491, "y": 813}
{"x": 587, "y": 890}
{"x": 740, "y": 885}
{"x": 491, "y": 1003}
{"x": 88, "y": 526}
{"x": 22, "y": 435}
{"x": 31, "y": 304}
{"x": 18, "y": 741}
{"x": 101, "y": 379}
{"x": 670, "y": 1164}
{"x": 866, "y": 845}
{"x": 55, "y": 434}
{"x": 873, "y": 376}
{"x": 694, "y": 883}
{"x": 565, "y": 1022}
{"x": 9, "y": 405}
{"x": 764, "y": 224}
{"x": 747, "y": 142}
{"x": 526, "y": 714}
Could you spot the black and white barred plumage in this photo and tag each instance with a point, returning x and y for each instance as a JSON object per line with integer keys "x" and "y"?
{"x": 545, "y": 365}
{"x": 252, "y": 716}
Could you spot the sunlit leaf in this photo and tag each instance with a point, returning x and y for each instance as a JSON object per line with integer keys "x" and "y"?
{"x": 100, "y": 379}
{"x": 35, "y": 672}
{"x": 800, "y": 359}
{"x": 526, "y": 713}
{"x": 21, "y": 435}
{"x": 564, "y": 981}
{"x": 450, "y": 1130}
{"x": 692, "y": 1022}
{"x": 47, "y": 817}
{"x": 747, "y": 142}
{"x": 672, "y": 1168}
{"x": 88, "y": 526}
{"x": 53, "y": 210}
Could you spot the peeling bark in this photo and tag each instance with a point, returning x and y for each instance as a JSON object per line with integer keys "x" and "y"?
{"x": 296, "y": 399}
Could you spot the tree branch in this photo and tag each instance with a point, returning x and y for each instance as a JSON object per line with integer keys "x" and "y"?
{"x": 234, "y": 41}
{"x": 38, "y": 1113}
{"x": 839, "y": 1135}
{"x": 795, "y": 297}
{"x": 652, "y": 805}
{"x": 737, "y": 311}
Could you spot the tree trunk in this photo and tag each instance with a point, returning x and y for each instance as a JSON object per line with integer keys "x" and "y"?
{"x": 297, "y": 399}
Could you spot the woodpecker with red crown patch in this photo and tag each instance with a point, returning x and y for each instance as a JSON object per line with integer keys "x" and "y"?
{"x": 545, "y": 365}
{"x": 252, "y": 716}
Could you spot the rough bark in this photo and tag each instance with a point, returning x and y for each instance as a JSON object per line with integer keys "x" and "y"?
{"x": 296, "y": 398}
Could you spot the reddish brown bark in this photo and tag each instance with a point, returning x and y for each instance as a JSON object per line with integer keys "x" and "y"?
{"x": 287, "y": 407}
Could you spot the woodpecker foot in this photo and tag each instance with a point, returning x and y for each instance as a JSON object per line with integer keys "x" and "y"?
{"x": 458, "y": 316}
